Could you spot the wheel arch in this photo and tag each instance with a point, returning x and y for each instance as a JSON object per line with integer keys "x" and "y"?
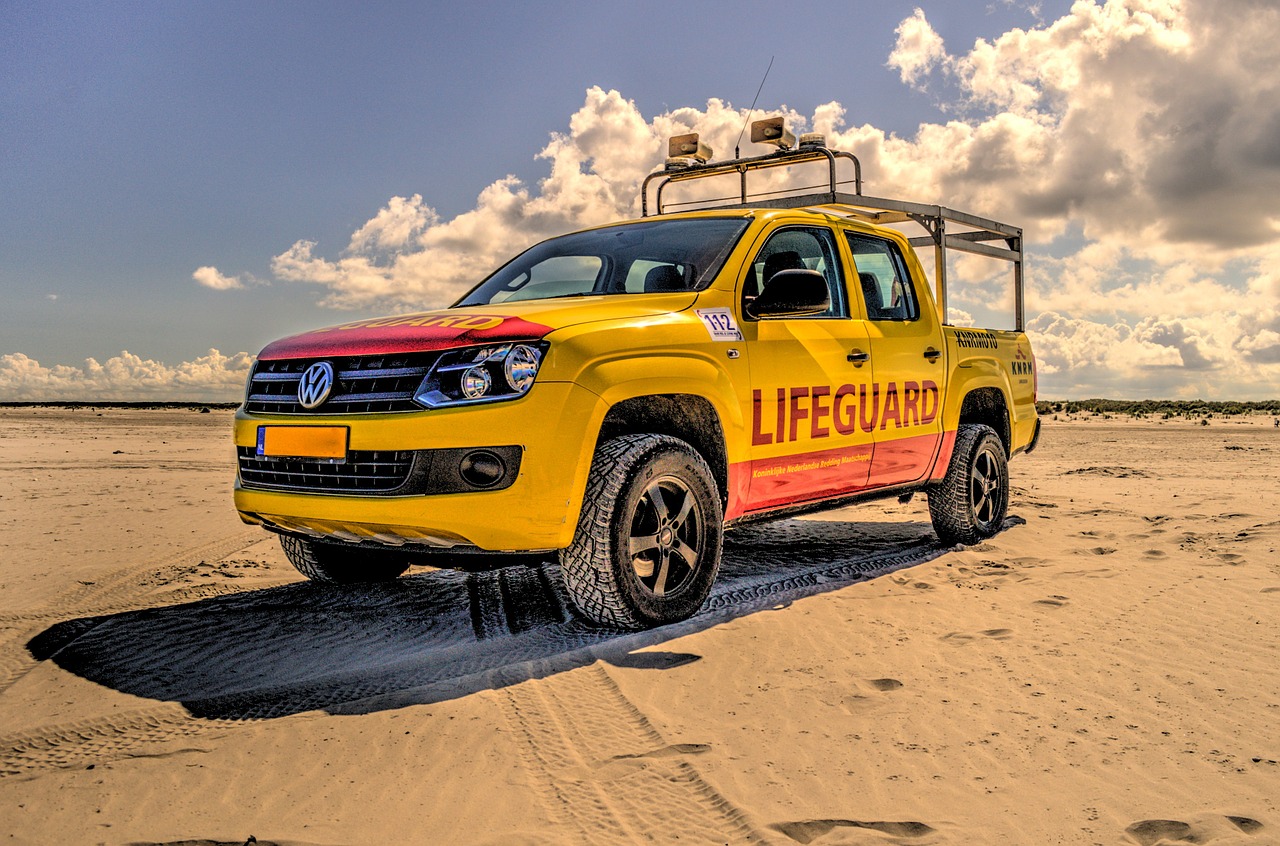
{"x": 691, "y": 418}
{"x": 989, "y": 406}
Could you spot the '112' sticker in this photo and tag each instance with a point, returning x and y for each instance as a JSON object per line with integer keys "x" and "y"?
{"x": 720, "y": 323}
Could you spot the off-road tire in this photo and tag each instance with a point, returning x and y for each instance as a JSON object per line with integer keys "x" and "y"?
{"x": 651, "y": 503}
{"x": 971, "y": 502}
{"x": 342, "y": 564}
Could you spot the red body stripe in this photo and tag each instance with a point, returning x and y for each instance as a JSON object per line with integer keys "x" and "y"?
{"x": 766, "y": 484}
{"x": 943, "y": 461}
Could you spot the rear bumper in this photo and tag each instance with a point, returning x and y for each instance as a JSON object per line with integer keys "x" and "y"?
{"x": 1035, "y": 439}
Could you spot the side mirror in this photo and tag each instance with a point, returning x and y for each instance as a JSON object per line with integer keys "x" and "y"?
{"x": 792, "y": 293}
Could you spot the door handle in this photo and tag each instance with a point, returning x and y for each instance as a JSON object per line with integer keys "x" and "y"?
{"x": 858, "y": 357}
{"x": 932, "y": 354}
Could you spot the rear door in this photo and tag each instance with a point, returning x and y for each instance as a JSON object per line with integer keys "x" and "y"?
{"x": 907, "y": 362}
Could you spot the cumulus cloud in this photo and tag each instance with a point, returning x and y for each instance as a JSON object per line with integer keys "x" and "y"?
{"x": 1147, "y": 121}
{"x": 211, "y": 277}
{"x": 918, "y": 51}
{"x": 213, "y": 377}
{"x": 1134, "y": 140}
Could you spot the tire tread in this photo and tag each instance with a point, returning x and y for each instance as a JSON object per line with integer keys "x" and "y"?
{"x": 336, "y": 564}
{"x": 584, "y": 564}
{"x": 949, "y": 501}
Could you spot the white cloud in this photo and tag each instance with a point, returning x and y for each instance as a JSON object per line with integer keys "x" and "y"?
{"x": 1150, "y": 122}
{"x": 1141, "y": 133}
{"x": 919, "y": 49}
{"x": 210, "y": 277}
{"x": 212, "y": 377}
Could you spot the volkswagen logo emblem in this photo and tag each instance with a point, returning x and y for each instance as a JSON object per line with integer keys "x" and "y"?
{"x": 315, "y": 385}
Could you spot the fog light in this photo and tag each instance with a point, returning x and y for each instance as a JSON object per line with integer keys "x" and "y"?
{"x": 481, "y": 469}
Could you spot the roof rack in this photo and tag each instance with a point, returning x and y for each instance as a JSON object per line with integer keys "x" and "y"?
{"x": 968, "y": 232}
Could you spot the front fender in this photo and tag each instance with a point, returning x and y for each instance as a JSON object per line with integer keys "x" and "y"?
{"x": 627, "y": 378}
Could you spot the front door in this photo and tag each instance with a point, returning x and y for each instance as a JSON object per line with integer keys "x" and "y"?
{"x": 807, "y": 440}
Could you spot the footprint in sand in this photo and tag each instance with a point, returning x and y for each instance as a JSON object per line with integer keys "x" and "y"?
{"x": 884, "y": 684}
{"x": 961, "y": 638}
{"x": 907, "y": 582}
{"x": 1245, "y": 824}
{"x": 1151, "y": 832}
{"x": 622, "y": 766}
{"x": 809, "y": 831}
{"x": 859, "y": 702}
{"x": 667, "y": 751}
{"x": 1203, "y": 830}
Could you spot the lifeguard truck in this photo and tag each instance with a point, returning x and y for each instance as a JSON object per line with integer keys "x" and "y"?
{"x": 621, "y": 396}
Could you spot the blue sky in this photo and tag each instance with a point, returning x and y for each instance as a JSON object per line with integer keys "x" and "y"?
{"x": 140, "y": 142}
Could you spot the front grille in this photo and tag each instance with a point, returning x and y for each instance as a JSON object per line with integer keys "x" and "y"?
{"x": 362, "y": 385}
{"x": 364, "y": 472}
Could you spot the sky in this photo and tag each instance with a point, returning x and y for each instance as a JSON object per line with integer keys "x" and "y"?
{"x": 181, "y": 183}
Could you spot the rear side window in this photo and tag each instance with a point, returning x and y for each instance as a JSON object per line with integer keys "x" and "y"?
{"x": 882, "y": 276}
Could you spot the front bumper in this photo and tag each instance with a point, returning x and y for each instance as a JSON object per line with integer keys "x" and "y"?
{"x": 537, "y": 511}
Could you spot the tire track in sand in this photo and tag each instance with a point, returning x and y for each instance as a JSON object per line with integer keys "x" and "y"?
{"x": 87, "y": 743}
{"x": 601, "y": 769}
{"x": 121, "y": 590}
{"x": 508, "y": 645}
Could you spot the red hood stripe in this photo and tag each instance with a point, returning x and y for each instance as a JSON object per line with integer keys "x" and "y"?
{"x": 405, "y": 334}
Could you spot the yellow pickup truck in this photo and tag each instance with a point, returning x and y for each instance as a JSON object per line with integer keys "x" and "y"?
{"x": 622, "y": 395}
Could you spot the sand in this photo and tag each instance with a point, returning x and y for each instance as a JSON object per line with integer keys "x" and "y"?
{"x": 1103, "y": 671}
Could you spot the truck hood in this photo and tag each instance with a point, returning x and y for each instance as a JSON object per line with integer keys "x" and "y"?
{"x": 460, "y": 327}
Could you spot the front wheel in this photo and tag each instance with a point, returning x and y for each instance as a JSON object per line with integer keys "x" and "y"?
{"x": 342, "y": 563}
{"x": 972, "y": 500}
{"x": 647, "y": 546}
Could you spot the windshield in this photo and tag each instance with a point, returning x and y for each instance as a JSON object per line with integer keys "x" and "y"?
{"x": 633, "y": 258}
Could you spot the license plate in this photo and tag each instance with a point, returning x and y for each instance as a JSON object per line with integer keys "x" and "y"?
{"x": 303, "y": 442}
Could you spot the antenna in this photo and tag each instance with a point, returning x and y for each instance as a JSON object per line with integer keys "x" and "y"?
{"x": 737, "y": 154}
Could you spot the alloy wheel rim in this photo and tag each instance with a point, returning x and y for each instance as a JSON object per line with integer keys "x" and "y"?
{"x": 664, "y": 538}
{"x": 984, "y": 487}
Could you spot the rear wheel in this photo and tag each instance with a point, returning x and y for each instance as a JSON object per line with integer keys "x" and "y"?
{"x": 647, "y": 546}
{"x": 972, "y": 500}
{"x": 342, "y": 563}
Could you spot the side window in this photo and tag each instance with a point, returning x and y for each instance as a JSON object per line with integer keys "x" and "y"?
{"x": 799, "y": 248}
{"x": 882, "y": 275}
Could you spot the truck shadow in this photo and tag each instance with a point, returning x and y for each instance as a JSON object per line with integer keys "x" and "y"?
{"x": 439, "y": 634}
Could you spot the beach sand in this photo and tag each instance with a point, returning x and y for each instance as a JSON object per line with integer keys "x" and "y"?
{"x": 1103, "y": 671}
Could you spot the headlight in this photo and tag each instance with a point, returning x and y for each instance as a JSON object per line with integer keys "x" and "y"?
{"x": 521, "y": 366}
{"x": 481, "y": 374}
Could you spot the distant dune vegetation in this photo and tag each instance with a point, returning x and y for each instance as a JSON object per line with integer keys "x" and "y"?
{"x": 1165, "y": 409}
